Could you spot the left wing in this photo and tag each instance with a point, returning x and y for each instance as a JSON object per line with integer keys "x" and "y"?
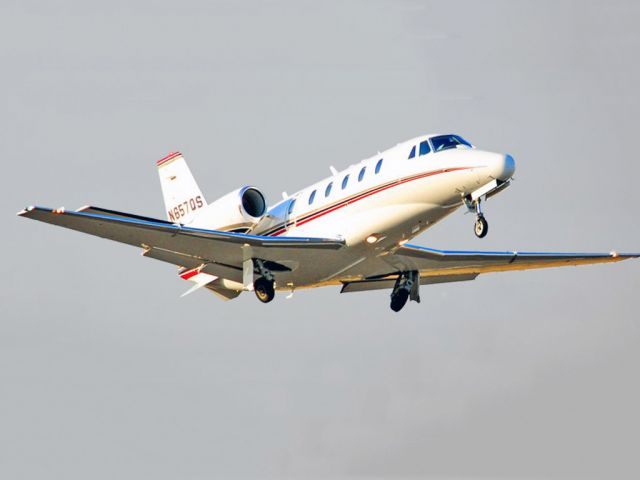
{"x": 440, "y": 266}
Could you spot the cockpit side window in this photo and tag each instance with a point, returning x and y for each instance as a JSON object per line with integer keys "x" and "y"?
{"x": 412, "y": 154}
{"x": 424, "y": 147}
{"x": 327, "y": 190}
{"x": 312, "y": 197}
{"x": 291, "y": 205}
{"x": 445, "y": 142}
{"x": 345, "y": 181}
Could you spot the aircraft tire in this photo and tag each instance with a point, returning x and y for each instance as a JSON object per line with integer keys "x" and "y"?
{"x": 399, "y": 299}
{"x": 264, "y": 290}
{"x": 481, "y": 227}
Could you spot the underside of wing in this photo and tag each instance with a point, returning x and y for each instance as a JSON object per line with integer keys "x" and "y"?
{"x": 439, "y": 262}
{"x": 442, "y": 266}
{"x": 217, "y": 253}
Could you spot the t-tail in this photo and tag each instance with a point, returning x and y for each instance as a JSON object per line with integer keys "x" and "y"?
{"x": 182, "y": 196}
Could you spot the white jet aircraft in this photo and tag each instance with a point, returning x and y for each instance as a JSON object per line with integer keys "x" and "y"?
{"x": 350, "y": 229}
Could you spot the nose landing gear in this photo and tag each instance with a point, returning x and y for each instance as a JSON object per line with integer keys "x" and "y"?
{"x": 406, "y": 287}
{"x": 481, "y": 226}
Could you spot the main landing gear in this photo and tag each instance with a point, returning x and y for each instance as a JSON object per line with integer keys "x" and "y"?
{"x": 264, "y": 289}
{"x": 481, "y": 226}
{"x": 264, "y": 286}
{"x": 406, "y": 287}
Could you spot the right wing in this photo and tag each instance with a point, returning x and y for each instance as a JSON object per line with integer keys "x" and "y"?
{"x": 440, "y": 266}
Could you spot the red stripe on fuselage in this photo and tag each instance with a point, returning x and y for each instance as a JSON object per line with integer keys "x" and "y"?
{"x": 364, "y": 195}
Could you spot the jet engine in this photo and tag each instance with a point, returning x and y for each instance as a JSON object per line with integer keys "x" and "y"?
{"x": 237, "y": 211}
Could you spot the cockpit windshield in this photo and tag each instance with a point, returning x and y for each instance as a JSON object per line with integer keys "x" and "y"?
{"x": 445, "y": 142}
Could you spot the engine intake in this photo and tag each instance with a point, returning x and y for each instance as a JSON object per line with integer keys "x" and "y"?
{"x": 237, "y": 211}
{"x": 253, "y": 202}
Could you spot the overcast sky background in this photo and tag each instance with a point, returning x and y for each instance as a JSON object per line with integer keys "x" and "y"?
{"x": 106, "y": 373}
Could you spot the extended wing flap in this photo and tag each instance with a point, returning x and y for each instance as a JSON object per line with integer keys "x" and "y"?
{"x": 384, "y": 283}
{"x": 221, "y": 292}
{"x": 188, "y": 261}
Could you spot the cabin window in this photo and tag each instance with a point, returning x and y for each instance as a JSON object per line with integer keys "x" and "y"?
{"x": 378, "y": 166}
{"x": 312, "y": 197}
{"x": 327, "y": 191}
{"x": 412, "y": 154}
{"x": 345, "y": 181}
{"x": 424, "y": 147}
{"x": 291, "y": 205}
{"x": 361, "y": 174}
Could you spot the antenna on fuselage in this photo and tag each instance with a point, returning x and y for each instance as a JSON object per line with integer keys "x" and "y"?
{"x": 333, "y": 170}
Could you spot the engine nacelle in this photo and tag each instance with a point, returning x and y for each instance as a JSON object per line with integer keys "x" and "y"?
{"x": 237, "y": 211}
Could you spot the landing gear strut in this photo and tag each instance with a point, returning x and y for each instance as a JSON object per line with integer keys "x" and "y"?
{"x": 264, "y": 285}
{"x": 481, "y": 226}
{"x": 406, "y": 287}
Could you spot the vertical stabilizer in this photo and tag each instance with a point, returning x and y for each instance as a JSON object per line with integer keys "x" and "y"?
{"x": 182, "y": 196}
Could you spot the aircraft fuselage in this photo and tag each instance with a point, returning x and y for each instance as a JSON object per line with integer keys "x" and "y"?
{"x": 384, "y": 206}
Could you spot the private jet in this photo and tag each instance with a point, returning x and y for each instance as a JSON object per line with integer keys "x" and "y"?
{"x": 350, "y": 230}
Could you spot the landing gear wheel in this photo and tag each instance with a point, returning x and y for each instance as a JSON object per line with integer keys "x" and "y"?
{"x": 399, "y": 299}
{"x": 264, "y": 290}
{"x": 481, "y": 227}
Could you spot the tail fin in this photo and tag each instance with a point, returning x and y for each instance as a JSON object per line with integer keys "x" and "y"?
{"x": 182, "y": 196}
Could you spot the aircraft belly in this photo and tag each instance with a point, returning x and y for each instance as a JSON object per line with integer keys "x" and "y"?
{"x": 314, "y": 273}
{"x": 393, "y": 215}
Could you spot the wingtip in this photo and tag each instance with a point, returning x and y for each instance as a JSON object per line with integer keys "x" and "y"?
{"x": 623, "y": 256}
{"x": 25, "y": 210}
{"x": 32, "y": 208}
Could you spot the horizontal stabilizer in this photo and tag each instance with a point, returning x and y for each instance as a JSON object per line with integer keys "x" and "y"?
{"x": 198, "y": 277}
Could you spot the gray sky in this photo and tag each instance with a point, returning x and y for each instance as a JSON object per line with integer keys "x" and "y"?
{"x": 105, "y": 373}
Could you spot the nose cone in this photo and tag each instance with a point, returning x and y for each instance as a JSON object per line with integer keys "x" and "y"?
{"x": 506, "y": 168}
